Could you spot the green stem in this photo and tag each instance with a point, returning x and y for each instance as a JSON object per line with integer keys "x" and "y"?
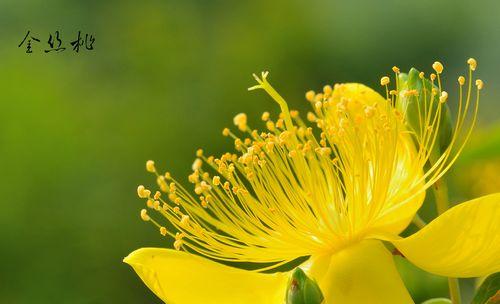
{"x": 442, "y": 204}
{"x": 454, "y": 291}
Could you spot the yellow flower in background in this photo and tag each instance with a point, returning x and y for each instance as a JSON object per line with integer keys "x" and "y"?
{"x": 333, "y": 193}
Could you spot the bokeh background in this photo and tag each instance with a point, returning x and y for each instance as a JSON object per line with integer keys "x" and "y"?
{"x": 163, "y": 79}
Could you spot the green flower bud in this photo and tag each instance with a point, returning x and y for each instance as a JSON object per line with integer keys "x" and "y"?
{"x": 302, "y": 290}
{"x": 417, "y": 101}
{"x": 489, "y": 291}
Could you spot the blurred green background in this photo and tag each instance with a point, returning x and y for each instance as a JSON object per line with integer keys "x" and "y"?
{"x": 164, "y": 78}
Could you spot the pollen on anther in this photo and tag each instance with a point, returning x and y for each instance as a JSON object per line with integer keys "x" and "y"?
{"x": 144, "y": 215}
{"x": 310, "y": 95}
{"x": 240, "y": 121}
{"x": 327, "y": 90}
{"x": 384, "y": 81}
{"x": 177, "y": 244}
{"x": 265, "y": 116}
{"x": 461, "y": 80}
{"x": 395, "y": 69}
{"x": 438, "y": 67}
{"x": 225, "y": 132}
{"x": 150, "y": 166}
{"x": 196, "y": 164}
{"x": 143, "y": 192}
{"x": 443, "y": 97}
{"x": 472, "y": 63}
{"x": 163, "y": 231}
{"x": 184, "y": 221}
{"x": 157, "y": 195}
{"x": 479, "y": 84}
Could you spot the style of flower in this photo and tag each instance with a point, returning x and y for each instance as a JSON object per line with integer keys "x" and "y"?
{"x": 333, "y": 193}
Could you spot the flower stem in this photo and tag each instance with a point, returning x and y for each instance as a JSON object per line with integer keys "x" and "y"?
{"x": 454, "y": 291}
{"x": 442, "y": 204}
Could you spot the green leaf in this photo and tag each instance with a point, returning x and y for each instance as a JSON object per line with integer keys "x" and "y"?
{"x": 489, "y": 291}
{"x": 303, "y": 290}
{"x": 438, "y": 301}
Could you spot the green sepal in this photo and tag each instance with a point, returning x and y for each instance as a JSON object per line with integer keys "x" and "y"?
{"x": 412, "y": 81}
{"x": 489, "y": 291}
{"x": 302, "y": 289}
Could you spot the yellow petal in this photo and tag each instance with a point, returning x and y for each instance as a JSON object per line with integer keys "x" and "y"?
{"x": 179, "y": 278}
{"x": 361, "y": 273}
{"x": 462, "y": 242}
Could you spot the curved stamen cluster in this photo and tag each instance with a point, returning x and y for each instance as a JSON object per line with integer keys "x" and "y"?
{"x": 293, "y": 191}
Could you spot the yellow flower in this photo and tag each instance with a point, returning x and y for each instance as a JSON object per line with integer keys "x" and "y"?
{"x": 333, "y": 193}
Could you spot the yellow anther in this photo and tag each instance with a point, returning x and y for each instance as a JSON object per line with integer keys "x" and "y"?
{"x": 179, "y": 236}
{"x": 225, "y": 132}
{"x": 184, "y": 222}
{"x": 163, "y": 231}
{"x": 421, "y": 75}
{"x": 167, "y": 175}
{"x": 172, "y": 196}
{"x": 150, "y": 166}
{"x": 149, "y": 203}
{"x": 265, "y": 116}
{"x": 461, "y": 80}
{"x": 393, "y": 92}
{"x": 395, "y": 69}
{"x": 270, "y": 125}
{"x": 479, "y": 84}
{"x": 433, "y": 76}
{"x": 177, "y": 200}
{"x": 369, "y": 111}
{"x": 292, "y": 153}
{"x": 196, "y": 164}
{"x": 311, "y": 117}
{"x": 199, "y": 153}
{"x": 310, "y": 95}
{"x": 227, "y": 186}
{"x": 204, "y": 204}
{"x": 156, "y": 205}
{"x": 443, "y": 97}
{"x": 327, "y": 90}
{"x": 280, "y": 124}
{"x": 178, "y": 244}
{"x": 319, "y": 97}
{"x": 438, "y": 67}
{"x": 240, "y": 121}
{"x": 176, "y": 210}
{"x": 216, "y": 180}
{"x": 472, "y": 63}
{"x": 384, "y": 80}
{"x": 198, "y": 190}
{"x": 318, "y": 105}
{"x": 294, "y": 113}
{"x": 144, "y": 215}
{"x": 157, "y": 195}
{"x": 140, "y": 191}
